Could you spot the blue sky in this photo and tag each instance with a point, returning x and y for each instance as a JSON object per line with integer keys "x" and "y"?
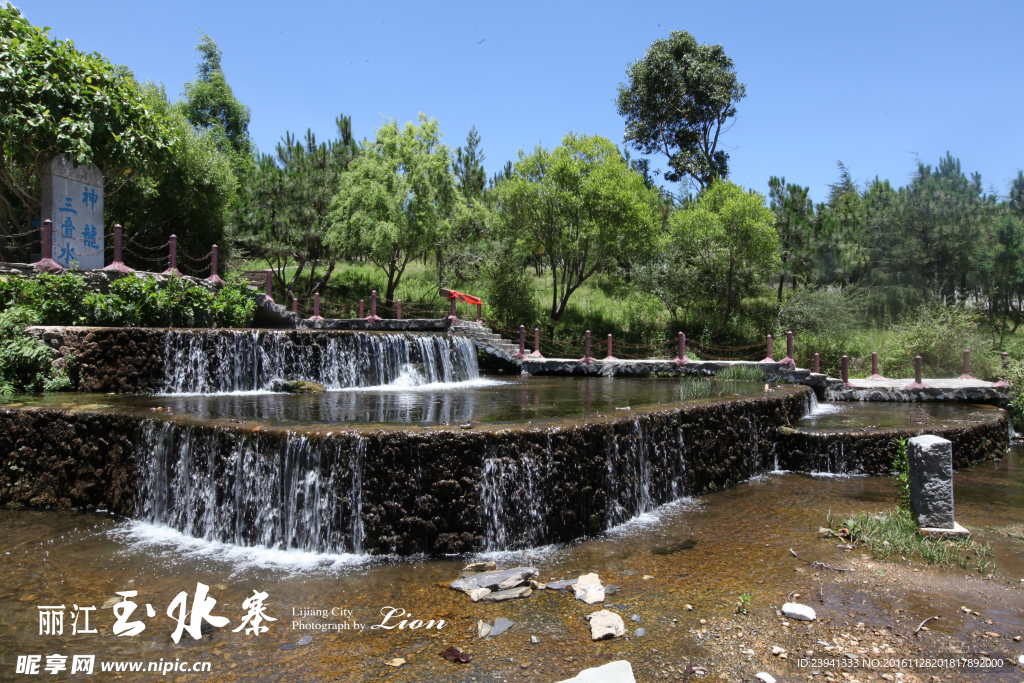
{"x": 874, "y": 84}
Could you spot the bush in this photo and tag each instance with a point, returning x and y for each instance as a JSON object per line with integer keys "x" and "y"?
{"x": 939, "y": 334}
{"x": 26, "y": 363}
{"x": 510, "y": 297}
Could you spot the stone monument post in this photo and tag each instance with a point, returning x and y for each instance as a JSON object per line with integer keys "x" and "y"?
{"x": 930, "y": 465}
{"x": 73, "y": 199}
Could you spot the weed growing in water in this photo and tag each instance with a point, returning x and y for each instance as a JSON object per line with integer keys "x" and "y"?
{"x": 748, "y": 373}
{"x": 901, "y": 474}
{"x": 743, "y": 605}
{"x": 894, "y": 531}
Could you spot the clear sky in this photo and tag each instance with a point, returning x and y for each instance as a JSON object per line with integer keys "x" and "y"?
{"x": 874, "y": 84}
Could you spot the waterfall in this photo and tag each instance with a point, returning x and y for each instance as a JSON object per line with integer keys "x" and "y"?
{"x": 216, "y": 361}
{"x": 290, "y": 493}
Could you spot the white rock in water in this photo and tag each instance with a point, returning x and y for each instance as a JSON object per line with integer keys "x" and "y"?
{"x": 510, "y": 594}
{"x": 776, "y": 650}
{"x": 794, "y": 610}
{"x": 483, "y": 629}
{"x": 589, "y": 589}
{"x": 613, "y": 672}
{"x": 765, "y": 677}
{"x": 476, "y": 594}
{"x": 605, "y": 624}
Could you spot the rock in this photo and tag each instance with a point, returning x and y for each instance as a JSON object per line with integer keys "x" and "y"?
{"x": 480, "y": 567}
{"x": 501, "y": 624}
{"x": 635, "y": 617}
{"x": 507, "y": 578}
{"x": 930, "y": 465}
{"x": 689, "y": 608}
{"x": 510, "y": 594}
{"x": 605, "y": 624}
{"x": 589, "y": 589}
{"x": 110, "y": 602}
{"x": 776, "y": 650}
{"x": 795, "y": 610}
{"x": 640, "y": 632}
{"x": 764, "y": 677}
{"x": 296, "y": 387}
{"x": 1020, "y": 660}
{"x": 397, "y": 661}
{"x": 534, "y": 639}
{"x": 629, "y": 572}
{"x": 478, "y": 594}
{"x": 483, "y": 629}
{"x": 305, "y": 640}
{"x": 613, "y": 672}
{"x": 537, "y": 585}
{"x": 612, "y": 590}
{"x": 647, "y": 577}
{"x": 559, "y": 585}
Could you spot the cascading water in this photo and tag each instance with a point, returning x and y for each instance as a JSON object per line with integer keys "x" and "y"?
{"x": 219, "y": 361}
{"x": 286, "y": 493}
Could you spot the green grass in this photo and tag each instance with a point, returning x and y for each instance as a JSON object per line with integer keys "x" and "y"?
{"x": 894, "y": 532}
{"x": 746, "y": 373}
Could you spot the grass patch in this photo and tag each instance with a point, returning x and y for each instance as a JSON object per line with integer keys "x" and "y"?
{"x": 1014, "y": 531}
{"x": 745, "y": 373}
{"x": 895, "y": 532}
{"x": 693, "y": 388}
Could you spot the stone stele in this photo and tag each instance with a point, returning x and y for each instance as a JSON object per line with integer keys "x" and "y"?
{"x": 930, "y": 460}
{"x": 72, "y": 197}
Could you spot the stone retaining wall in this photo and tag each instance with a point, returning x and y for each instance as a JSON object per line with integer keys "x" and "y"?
{"x": 438, "y": 490}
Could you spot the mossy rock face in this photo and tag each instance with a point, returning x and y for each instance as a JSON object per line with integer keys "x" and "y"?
{"x": 301, "y": 387}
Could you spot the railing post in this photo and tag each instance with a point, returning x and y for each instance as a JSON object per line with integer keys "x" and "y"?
{"x": 586, "y": 349}
{"x": 918, "y": 382}
{"x": 768, "y": 358}
{"x": 681, "y": 358}
{"x": 451, "y": 313}
{"x": 522, "y": 342}
{"x": 399, "y": 308}
{"x": 173, "y": 270}
{"x": 846, "y": 370}
{"x": 295, "y": 305}
{"x": 373, "y": 308}
{"x": 967, "y": 366}
{"x": 214, "y": 278}
{"x": 270, "y": 285}
{"x": 46, "y": 262}
{"x": 360, "y": 308}
{"x": 874, "y": 366}
{"x": 118, "y": 264}
{"x": 536, "y": 344}
{"x": 817, "y": 363}
{"x": 480, "y": 313}
{"x": 610, "y": 356}
{"x": 316, "y": 307}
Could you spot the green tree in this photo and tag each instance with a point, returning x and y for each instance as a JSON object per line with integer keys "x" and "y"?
{"x": 211, "y": 105}
{"x": 189, "y": 195}
{"x": 678, "y": 101}
{"x": 395, "y": 202}
{"x": 581, "y": 207}
{"x": 57, "y": 100}
{"x": 794, "y": 222}
{"x": 284, "y": 208}
{"x": 730, "y": 238}
{"x": 469, "y": 167}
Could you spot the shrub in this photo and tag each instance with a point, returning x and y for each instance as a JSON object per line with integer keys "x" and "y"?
{"x": 939, "y": 334}
{"x": 25, "y": 362}
{"x": 510, "y": 296}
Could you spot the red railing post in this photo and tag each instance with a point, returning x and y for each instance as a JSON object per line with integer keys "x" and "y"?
{"x": 846, "y": 370}
{"x": 214, "y": 278}
{"x": 480, "y": 313}
{"x": 522, "y": 342}
{"x": 373, "y": 307}
{"x": 536, "y": 344}
{"x": 874, "y": 366}
{"x": 610, "y": 356}
{"x": 46, "y": 262}
{"x": 316, "y": 307}
{"x": 817, "y": 363}
{"x": 586, "y": 349}
{"x": 451, "y": 313}
{"x": 270, "y": 285}
{"x": 967, "y": 366}
{"x": 681, "y": 350}
{"x": 173, "y": 270}
{"x": 360, "y": 308}
{"x": 295, "y": 305}
{"x": 768, "y": 358}
{"x": 118, "y": 264}
{"x": 789, "y": 360}
{"x": 918, "y": 382}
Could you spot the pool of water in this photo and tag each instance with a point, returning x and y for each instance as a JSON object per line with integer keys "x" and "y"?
{"x": 409, "y": 401}
{"x": 867, "y": 415}
{"x": 741, "y": 543}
